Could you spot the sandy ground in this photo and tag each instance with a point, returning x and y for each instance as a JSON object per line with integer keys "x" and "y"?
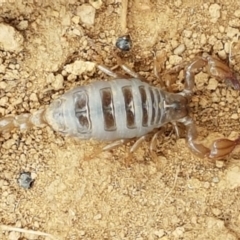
{"x": 77, "y": 194}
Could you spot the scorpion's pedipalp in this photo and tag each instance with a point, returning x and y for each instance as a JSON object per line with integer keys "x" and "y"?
{"x": 214, "y": 67}
{"x": 217, "y": 69}
{"x": 221, "y": 71}
{"x": 233, "y": 82}
{"x": 196, "y": 148}
{"x": 222, "y": 147}
{"x": 196, "y": 64}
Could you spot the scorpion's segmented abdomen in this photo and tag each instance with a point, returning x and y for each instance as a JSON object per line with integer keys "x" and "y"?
{"x": 110, "y": 110}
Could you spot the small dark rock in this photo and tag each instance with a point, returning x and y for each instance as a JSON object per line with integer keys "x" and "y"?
{"x": 25, "y": 180}
{"x": 124, "y": 43}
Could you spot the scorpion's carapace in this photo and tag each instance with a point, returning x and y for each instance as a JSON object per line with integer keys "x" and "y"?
{"x": 123, "y": 109}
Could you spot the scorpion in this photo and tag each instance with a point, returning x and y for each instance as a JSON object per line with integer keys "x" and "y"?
{"x": 127, "y": 108}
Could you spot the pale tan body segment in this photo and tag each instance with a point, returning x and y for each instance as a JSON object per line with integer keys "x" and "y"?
{"x": 122, "y": 109}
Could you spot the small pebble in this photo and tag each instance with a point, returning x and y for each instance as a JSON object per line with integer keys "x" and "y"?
{"x": 231, "y": 32}
{"x": 23, "y": 25}
{"x": 79, "y": 67}
{"x": 2, "y": 68}
{"x": 33, "y": 97}
{"x": 76, "y": 19}
{"x": 82, "y": 233}
{"x": 10, "y": 39}
{"x": 179, "y": 50}
{"x": 215, "y": 179}
{"x": 178, "y": 232}
{"x": 203, "y": 39}
{"x": 219, "y": 164}
{"x": 14, "y": 235}
{"x": 86, "y": 13}
{"x": 234, "y": 116}
{"x": 25, "y": 180}
{"x": 174, "y": 59}
{"x": 212, "y": 85}
{"x": 8, "y": 144}
{"x": 159, "y": 233}
{"x": 222, "y": 54}
{"x": 96, "y": 3}
{"x": 214, "y": 11}
{"x": 3, "y": 101}
{"x": 97, "y": 217}
{"x": 216, "y": 211}
{"x": 58, "y": 82}
{"x": 206, "y": 185}
{"x": 237, "y": 13}
{"x": 187, "y": 33}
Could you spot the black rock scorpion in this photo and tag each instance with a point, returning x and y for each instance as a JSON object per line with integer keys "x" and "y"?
{"x": 126, "y": 108}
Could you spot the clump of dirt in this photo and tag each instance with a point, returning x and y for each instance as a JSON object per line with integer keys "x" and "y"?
{"x": 77, "y": 194}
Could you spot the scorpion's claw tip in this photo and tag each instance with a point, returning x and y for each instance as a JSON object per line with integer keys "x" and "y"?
{"x": 233, "y": 82}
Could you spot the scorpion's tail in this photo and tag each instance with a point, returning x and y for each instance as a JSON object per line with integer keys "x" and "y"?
{"x": 22, "y": 121}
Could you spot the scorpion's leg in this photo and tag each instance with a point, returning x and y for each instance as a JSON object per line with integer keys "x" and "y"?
{"x": 159, "y": 59}
{"x": 123, "y": 141}
{"x": 117, "y": 143}
{"x": 219, "y": 149}
{"x": 109, "y": 72}
{"x": 136, "y": 145}
{"x": 131, "y": 72}
{"x": 126, "y": 68}
{"x": 154, "y": 139}
{"x": 108, "y": 147}
{"x": 114, "y": 144}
